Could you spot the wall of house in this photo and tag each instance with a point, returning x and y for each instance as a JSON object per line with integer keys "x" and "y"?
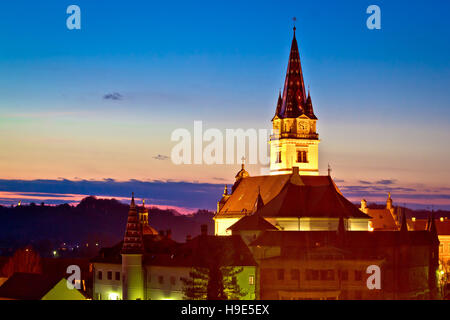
{"x": 164, "y": 283}
{"x": 321, "y": 279}
{"x": 107, "y": 289}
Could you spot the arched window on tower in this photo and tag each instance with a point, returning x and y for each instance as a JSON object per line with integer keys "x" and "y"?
{"x": 302, "y": 156}
{"x": 278, "y": 158}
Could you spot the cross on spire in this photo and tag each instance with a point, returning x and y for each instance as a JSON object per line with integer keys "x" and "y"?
{"x": 294, "y": 19}
{"x": 243, "y": 162}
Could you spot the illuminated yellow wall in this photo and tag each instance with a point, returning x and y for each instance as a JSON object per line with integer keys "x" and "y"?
{"x": 222, "y": 224}
{"x": 291, "y": 136}
{"x": 105, "y": 289}
{"x": 302, "y": 224}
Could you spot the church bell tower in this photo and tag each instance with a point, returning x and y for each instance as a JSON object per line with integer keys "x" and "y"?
{"x": 295, "y": 141}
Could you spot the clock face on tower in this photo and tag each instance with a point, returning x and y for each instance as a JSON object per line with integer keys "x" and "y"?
{"x": 303, "y": 126}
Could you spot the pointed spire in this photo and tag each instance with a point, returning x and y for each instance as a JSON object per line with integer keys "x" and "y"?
{"x": 294, "y": 96}
{"x": 132, "y": 242}
{"x": 132, "y": 204}
{"x": 259, "y": 203}
{"x": 278, "y": 109}
{"x": 404, "y": 225}
{"x": 433, "y": 229}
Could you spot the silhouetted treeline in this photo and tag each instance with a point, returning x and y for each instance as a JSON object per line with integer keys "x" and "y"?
{"x": 93, "y": 221}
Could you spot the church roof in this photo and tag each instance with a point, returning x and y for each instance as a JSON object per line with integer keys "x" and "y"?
{"x": 294, "y": 100}
{"x": 317, "y": 196}
{"x": 382, "y": 219}
{"x": 300, "y": 200}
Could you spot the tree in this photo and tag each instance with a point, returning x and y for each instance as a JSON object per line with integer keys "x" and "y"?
{"x": 24, "y": 260}
{"x": 195, "y": 287}
{"x": 232, "y": 289}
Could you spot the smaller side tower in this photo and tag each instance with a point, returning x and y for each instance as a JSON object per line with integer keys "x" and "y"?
{"x": 132, "y": 252}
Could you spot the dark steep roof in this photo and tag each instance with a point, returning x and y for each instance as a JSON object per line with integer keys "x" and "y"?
{"x": 246, "y": 191}
{"x": 297, "y": 199}
{"x": 252, "y": 222}
{"x": 294, "y": 100}
{"x": 28, "y": 286}
{"x": 353, "y": 239}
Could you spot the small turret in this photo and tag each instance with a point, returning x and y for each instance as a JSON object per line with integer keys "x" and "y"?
{"x": 389, "y": 202}
{"x": 224, "y": 199}
{"x": 364, "y": 206}
{"x": 259, "y": 203}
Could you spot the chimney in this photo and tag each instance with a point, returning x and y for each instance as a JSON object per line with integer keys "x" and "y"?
{"x": 169, "y": 234}
{"x": 295, "y": 170}
{"x": 161, "y": 233}
{"x": 188, "y": 238}
{"x": 204, "y": 229}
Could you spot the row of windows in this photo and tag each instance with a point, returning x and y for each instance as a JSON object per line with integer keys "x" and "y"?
{"x": 161, "y": 279}
{"x": 443, "y": 247}
{"x": 302, "y": 157}
{"x": 312, "y": 274}
{"x": 109, "y": 275}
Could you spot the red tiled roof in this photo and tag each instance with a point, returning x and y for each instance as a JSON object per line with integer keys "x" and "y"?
{"x": 442, "y": 227}
{"x": 301, "y": 200}
{"x": 382, "y": 219}
{"x": 245, "y": 193}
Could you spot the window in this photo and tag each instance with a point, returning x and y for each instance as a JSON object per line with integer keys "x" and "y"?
{"x": 344, "y": 275}
{"x": 295, "y": 274}
{"x": 100, "y": 275}
{"x": 278, "y": 159}
{"x": 358, "y": 275}
{"x": 109, "y": 275}
{"x": 251, "y": 280}
{"x": 326, "y": 275}
{"x": 172, "y": 281}
{"x": 161, "y": 279}
{"x": 280, "y": 274}
{"x": 312, "y": 274}
{"x": 117, "y": 275}
{"x": 302, "y": 156}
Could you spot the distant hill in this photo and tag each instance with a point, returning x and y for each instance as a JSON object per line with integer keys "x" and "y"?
{"x": 92, "y": 221}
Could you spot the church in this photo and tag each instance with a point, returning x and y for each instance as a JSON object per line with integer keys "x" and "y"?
{"x": 295, "y": 196}
{"x": 292, "y": 234}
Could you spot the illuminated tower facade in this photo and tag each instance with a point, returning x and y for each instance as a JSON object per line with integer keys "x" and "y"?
{"x": 295, "y": 141}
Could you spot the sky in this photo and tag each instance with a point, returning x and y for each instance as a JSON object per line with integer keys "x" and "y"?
{"x": 100, "y": 104}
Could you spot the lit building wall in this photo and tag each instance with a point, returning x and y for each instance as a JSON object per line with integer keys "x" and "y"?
{"x": 104, "y": 288}
{"x": 222, "y": 224}
{"x": 164, "y": 283}
{"x": 297, "y": 224}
